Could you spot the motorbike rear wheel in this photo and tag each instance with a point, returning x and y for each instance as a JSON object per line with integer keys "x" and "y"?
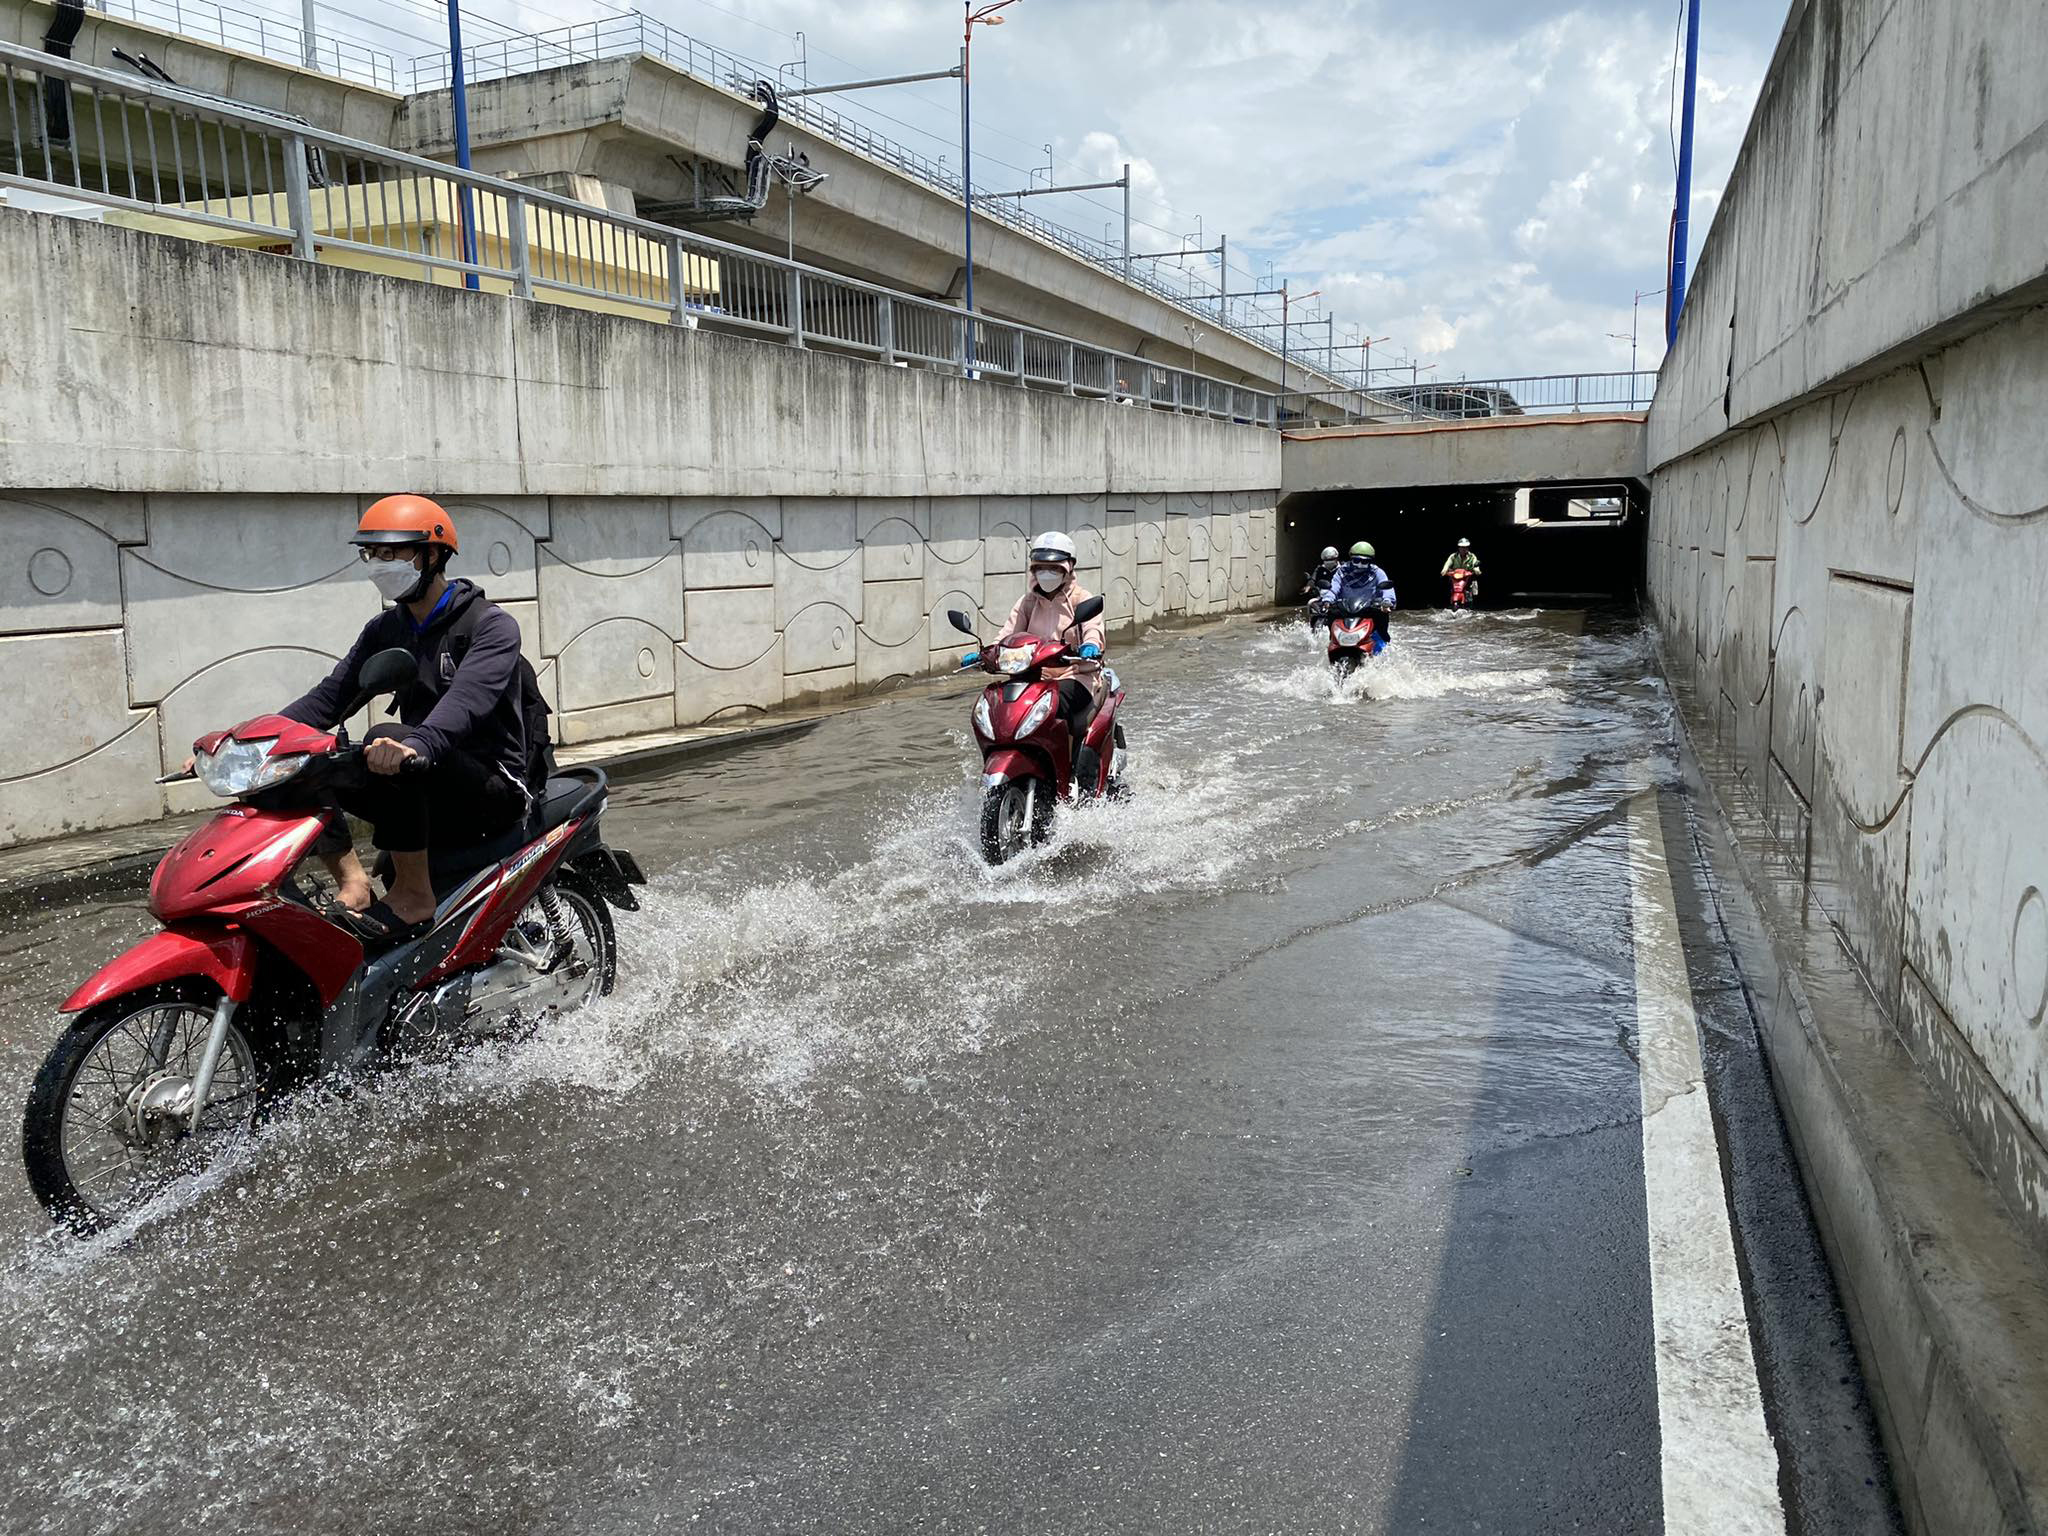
{"x": 1014, "y": 815}
{"x": 100, "y": 1137}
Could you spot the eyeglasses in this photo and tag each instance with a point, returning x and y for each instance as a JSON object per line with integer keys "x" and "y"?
{"x": 384, "y": 552}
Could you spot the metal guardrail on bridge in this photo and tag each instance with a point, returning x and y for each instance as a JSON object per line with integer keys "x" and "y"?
{"x": 198, "y": 165}
{"x": 1474, "y": 399}
{"x": 630, "y": 34}
{"x": 267, "y": 36}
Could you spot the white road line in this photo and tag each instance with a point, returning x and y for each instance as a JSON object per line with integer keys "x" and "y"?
{"x": 1720, "y": 1466}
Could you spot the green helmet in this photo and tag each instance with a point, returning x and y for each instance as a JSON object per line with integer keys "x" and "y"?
{"x": 1363, "y": 550}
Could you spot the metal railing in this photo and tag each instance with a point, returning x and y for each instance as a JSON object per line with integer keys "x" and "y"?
{"x": 193, "y": 164}
{"x": 1475, "y": 399}
{"x": 1534, "y": 394}
{"x": 267, "y": 36}
{"x": 633, "y": 34}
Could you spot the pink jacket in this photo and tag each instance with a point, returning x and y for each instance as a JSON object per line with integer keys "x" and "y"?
{"x": 1052, "y": 618}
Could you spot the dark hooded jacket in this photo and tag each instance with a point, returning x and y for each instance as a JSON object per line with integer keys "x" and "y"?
{"x": 467, "y": 693}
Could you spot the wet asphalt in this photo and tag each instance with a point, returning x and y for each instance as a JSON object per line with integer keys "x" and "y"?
{"x": 1264, "y": 1155}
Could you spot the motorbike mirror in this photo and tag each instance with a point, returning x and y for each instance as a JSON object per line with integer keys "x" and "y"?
{"x": 960, "y": 621}
{"x": 1088, "y": 610}
{"x": 388, "y": 671}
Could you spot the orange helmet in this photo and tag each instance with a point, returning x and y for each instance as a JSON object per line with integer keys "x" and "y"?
{"x": 407, "y": 519}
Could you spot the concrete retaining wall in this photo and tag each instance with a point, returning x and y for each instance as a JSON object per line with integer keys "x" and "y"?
{"x": 686, "y": 525}
{"x": 1848, "y": 559}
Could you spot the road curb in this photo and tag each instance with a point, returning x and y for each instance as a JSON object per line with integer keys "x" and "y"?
{"x": 1946, "y": 1293}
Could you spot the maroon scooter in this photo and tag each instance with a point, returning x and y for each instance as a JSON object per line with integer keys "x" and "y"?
{"x": 1028, "y": 758}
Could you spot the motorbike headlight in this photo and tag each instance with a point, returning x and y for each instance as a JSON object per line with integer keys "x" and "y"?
{"x": 981, "y": 720}
{"x": 242, "y": 767}
{"x": 1035, "y": 716}
{"x": 1013, "y": 659}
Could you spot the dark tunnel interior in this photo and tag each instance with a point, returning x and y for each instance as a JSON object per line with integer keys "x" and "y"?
{"x": 1537, "y": 545}
{"x": 1545, "y": 544}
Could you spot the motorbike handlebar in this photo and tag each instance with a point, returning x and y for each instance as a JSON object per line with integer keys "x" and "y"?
{"x": 354, "y": 754}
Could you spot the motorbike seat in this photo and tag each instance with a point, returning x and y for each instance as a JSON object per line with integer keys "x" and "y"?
{"x": 558, "y": 801}
{"x": 565, "y": 796}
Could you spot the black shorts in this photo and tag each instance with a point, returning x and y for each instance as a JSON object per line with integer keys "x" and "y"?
{"x": 459, "y": 800}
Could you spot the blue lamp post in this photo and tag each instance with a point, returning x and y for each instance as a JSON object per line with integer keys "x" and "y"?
{"x": 466, "y": 202}
{"x": 1681, "y": 215}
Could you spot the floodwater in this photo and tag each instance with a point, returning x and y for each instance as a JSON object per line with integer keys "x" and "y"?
{"x": 1115, "y": 1189}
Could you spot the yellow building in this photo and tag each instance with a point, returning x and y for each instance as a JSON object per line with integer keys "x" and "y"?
{"x": 406, "y": 227}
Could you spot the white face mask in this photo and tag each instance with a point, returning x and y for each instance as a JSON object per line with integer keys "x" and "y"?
{"x": 1049, "y": 581}
{"x": 394, "y": 578}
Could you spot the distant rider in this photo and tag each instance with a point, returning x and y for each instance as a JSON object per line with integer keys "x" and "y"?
{"x": 1357, "y": 577}
{"x": 1462, "y": 559}
{"x": 1318, "y": 579}
{"x": 1047, "y": 610}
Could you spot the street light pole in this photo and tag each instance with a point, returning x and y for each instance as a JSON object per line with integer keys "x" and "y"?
{"x": 1367, "y": 347}
{"x": 1286, "y": 300}
{"x": 1634, "y": 316}
{"x": 986, "y": 16}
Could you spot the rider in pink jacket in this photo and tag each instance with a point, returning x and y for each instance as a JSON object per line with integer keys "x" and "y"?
{"x": 1047, "y": 610}
{"x": 1047, "y": 607}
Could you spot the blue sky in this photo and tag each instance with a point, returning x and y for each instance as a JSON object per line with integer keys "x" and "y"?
{"x": 1485, "y": 182}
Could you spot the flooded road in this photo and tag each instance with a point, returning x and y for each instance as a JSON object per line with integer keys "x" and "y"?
{"x": 1264, "y": 1154}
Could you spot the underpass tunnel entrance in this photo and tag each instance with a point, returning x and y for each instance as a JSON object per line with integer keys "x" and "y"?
{"x": 1542, "y": 544}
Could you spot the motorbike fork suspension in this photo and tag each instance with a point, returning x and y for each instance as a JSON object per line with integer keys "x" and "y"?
{"x": 209, "y": 1059}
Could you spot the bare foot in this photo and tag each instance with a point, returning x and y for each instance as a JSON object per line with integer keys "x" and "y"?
{"x": 410, "y": 905}
{"x": 356, "y": 898}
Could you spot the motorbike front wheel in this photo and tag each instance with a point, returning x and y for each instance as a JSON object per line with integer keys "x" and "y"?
{"x": 1014, "y": 815}
{"x": 101, "y": 1136}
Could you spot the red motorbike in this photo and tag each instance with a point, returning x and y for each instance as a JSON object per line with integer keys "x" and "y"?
{"x": 249, "y": 990}
{"x": 1464, "y": 588}
{"x": 1355, "y": 634}
{"x": 1028, "y": 758}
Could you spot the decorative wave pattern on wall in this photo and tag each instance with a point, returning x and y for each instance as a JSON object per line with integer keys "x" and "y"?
{"x": 1858, "y": 621}
{"x": 132, "y": 623}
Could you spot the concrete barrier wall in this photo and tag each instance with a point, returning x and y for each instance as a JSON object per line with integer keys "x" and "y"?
{"x": 685, "y": 525}
{"x": 1848, "y": 560}
{"x": 1891, "y": 195}
{"x": 1856, "y": 591}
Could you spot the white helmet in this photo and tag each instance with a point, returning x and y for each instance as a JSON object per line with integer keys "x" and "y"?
{"x": 1464, "y": 543}
{"x": 1052, "y": 548}
{"x": 1329, "y": 551}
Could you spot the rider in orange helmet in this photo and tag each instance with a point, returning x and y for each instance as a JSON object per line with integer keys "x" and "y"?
{"x": 471, "y": 739}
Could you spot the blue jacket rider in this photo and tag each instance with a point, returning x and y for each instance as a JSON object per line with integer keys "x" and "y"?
{"x": 1357, "y": 576}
